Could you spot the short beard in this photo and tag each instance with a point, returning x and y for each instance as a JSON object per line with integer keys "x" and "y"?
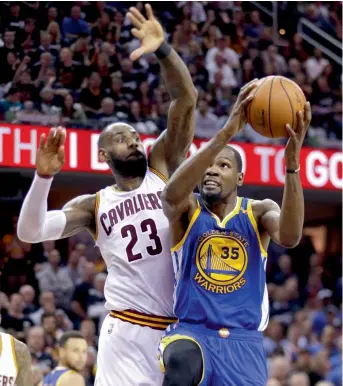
{"x": 211, "y": 198}
{"x": 131, "y": 167}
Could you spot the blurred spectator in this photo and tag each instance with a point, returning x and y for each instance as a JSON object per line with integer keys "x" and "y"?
{"x": 299, "y": 379}
{"x": 228, "y": 54}
{"x": 14, "y": 319}
{"x": 255, "y": 28}
{"x": 36, "y": 344}
{"x": 279, "y": 369}
{"x": 92, "y": 95}
{"x": 8, "y": 39}
{"x": 205, "y": 121}
{"x": 73, "y": 26}
{"x": 54, "y": 278}
{"x": 54, "y": 32}
{"x": 73, "y": 267}
{"x": 106, "y": 114}
{"x": 315, "y": 64}
{"x": 11, "y": 104}
{"x": 28, "y": 294}
{"x": 72, "y": 111}
{"x": 83, "y": 290}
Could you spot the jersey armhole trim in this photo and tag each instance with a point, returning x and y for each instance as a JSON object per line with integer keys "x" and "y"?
{"x": 193, "y": 219}
{"x": 14, "y": 354}
{"x": 158, "y": 174}
{"x": 254, "y": 225}
{"x": 96, "y": 210}
{"x": 58, "y": 383}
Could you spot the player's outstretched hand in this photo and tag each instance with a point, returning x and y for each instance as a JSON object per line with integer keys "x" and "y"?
{"x": 297, "y": 136}
{"x": 238, "y": 118}
{"x": 149, "y": 31}
{"x": 50, "y": 153}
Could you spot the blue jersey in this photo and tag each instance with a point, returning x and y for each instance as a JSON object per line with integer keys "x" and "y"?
{"x": 220, "y": 270}
{"x": 54, "y": 377}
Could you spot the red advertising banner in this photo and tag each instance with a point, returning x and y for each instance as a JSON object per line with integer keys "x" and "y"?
{"x": 263, "y": 164}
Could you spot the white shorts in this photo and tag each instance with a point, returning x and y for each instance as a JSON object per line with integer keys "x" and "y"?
{"x": 128, "y": 355}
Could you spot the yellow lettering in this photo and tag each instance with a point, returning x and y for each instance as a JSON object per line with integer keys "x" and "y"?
{"x": 219, "y": 289}
{"x": 211, "y": 287}
{"x": 236, "y": 286}
{"x": 205, "y": 284}
{"x": 230, "y": 288}
{"x": 198, "y": 278}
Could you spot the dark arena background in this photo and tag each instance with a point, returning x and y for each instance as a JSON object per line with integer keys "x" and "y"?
{"x": 78, "y": 74}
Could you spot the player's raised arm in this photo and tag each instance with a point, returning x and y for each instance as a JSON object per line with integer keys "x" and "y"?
{"x": 24, "y": 377}
{"x": 178, "y": 193}
{"x": 35, "y": 222}
{"x": 172, "y": 147}
{"x": 285, "y": 226}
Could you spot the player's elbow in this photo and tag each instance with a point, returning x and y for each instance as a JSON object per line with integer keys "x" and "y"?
{"x": 188, "y": 96}
{"x": 290, "y": 241}
{"x": 26, "y": 235}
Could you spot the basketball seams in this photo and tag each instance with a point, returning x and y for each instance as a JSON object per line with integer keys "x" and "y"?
{"x": 256, "y": 91}
{"x": 270, "y": 97}
{"x": 290, "y": 102}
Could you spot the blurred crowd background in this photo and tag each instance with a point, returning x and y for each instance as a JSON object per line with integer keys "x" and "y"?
{"x": 67, "y": 63}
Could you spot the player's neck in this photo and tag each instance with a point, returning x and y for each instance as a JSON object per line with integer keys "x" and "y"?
{"x": 224, "y": 207}
{"x": 126, "y": 184}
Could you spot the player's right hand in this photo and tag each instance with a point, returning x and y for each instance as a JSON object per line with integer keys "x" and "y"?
{"x": 50, "y": 153}
{"x": 237, "y": 118}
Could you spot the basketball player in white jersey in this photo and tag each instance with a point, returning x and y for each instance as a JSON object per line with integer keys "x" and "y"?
{"x": 15, "y": 362}
{"x": 126, "y": 220}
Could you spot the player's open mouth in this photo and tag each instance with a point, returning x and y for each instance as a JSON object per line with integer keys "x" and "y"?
{"x": 211, "y": 184}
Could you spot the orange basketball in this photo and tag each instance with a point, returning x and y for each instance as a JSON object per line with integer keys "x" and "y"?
{"x": 276, "y": 103}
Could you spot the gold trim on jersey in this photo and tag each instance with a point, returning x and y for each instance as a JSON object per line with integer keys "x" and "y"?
{"x": 58, "y": 383}
{"x": 0, "y": 344}
{"x": 163, "y": 178}
{"x": 254, "y": 224}
{"x": 96, "y": 210}
{"x": 228, "y": 216}
{"x": 167, "y": 340}
{"x": 14, "y": 353}
{"x": 193, "y": 219}
{"x": 153, "y": 321}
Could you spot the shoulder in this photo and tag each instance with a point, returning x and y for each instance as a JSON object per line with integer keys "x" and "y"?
{"x": 71, "y": 378}
{"x": 22, "y": 354}
{"x": 86, "y": 201}
{"x": 260, "y": 207}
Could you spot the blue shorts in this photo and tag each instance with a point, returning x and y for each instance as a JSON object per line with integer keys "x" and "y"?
{"x": 230, "y": 358}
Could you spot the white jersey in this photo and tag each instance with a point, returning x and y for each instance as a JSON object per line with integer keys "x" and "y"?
{"x": 134, "y": 239}
{"x": 8, "y": 360}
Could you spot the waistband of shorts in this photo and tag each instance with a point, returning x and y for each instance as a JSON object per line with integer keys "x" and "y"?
{"x": 145, "y": 320}
{"x": 224, "y": 332}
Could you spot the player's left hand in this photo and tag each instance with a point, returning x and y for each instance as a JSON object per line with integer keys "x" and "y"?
{"x": 296, "y": 138}
{"x": 148, "y": 31}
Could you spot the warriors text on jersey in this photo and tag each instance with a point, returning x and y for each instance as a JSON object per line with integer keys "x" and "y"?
{"x": 54, "y": 377}
{"x": 8, "y": 360}
{"x": 133, "y": 237}
{"x": 220, "y": 271}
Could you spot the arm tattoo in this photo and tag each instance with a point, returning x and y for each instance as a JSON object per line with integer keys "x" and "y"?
{"x": 24, "y": 377}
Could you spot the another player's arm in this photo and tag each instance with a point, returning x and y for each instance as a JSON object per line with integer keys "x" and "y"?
{"x": 172, "y": 146}
{"x": 24, "y": 377}
{"x": 177, "y": 197}
{"x": 35, "y": 222}
{"x": 285, "y": 226}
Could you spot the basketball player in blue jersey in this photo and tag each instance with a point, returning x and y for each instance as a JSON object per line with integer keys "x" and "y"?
{"x": 220, "y": 242}
{"x": 72, "y": 360}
